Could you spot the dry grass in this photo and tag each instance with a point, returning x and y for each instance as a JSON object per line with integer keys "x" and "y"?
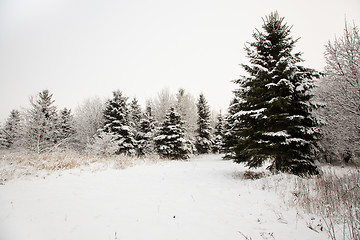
{"x": 334, "y": 196}
{"x": 17, "y": 164}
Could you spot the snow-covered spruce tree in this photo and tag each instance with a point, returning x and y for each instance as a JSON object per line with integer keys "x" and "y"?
{"x": 203, "y": 142}
{"x": 231, "y": 127}
{"x": 117, "y": 122}
{"x": 135, "y": 116}
{"x": 135, "y": 113}
{"x": 3, "y": 143}
{"x": 66, "y": 127}
{"x": 146, "y": 133}
{"x": 218, "y": 141}
{"x": 275, "y": 117}
{"x": 170, "y": 142}
{"x": 12, "y": 131}
{"x": 42, "y": 132}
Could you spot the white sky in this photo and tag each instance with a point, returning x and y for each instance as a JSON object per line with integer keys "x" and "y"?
{"x": 84, "y": 48}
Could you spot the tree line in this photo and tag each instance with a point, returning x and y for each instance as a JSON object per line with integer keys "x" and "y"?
{"x": 171, "y": 126}
{"x": 281, "y": 112}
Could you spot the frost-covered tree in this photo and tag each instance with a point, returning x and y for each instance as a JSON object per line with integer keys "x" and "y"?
{"x": 42, "y": 132}
{"x": 3, "y": 143}
{"x": 275, "y": 117}
{"x": 162, "y": 103}
{"x": 135, "y": 117}
{"x": 186, "y": 107}
{"x": 135, "y": 113}
{"x": 146, "y": 133}
{"x": 232, "y": 127}
{"x": 170, "y": 142}
{"x": 117, "y": 122}
{"x": 103, "y": 143}
{"x": 12, "y": 131}
{"x": 340, "y": 91}
{"x": 88, "y": 119}
{"x": 66, "y": 126}
{"x": 218, "y": 141}
{"x": 203, "y": 139}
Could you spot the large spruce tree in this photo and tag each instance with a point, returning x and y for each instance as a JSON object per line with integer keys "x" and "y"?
{"x": 274, "y": 120}
{"x": 203, "y": 142}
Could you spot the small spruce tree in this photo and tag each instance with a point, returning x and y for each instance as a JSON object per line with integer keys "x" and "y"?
{"x": 66, "y": 127}
{"x": 274, "y": 109}
{"x": 218, "y": 142}
{"x": 12, "y": 130}
{"x": 145, "y": 134}
{"x": 170, "y": 142}
{"x": 231, "y": 128}
{"x": 42, "y": 124}
{"x": 117, "y": 122}
{"x": 203, "y": 142}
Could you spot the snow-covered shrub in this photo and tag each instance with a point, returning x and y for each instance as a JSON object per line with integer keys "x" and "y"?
{"x": 103, "y": 144}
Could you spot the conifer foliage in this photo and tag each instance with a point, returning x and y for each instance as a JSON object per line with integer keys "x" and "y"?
{"x": 117, "y": 122}
{"x": 273, "y": 114}
{"x": 66, "y": 128}
{"x": 170, "y": 142}
{"x": 203, "y": 139}
{"x": 42, "y": 133}
{"x": 12, "y": 130}
{"x": 219, "y": 134}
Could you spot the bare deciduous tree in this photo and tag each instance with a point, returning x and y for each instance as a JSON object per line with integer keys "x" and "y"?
{"x": 340, "y": 91}
{"x": 89, "y": 118}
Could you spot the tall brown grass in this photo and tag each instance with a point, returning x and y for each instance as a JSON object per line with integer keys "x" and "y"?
{"x": 334, "y": 196}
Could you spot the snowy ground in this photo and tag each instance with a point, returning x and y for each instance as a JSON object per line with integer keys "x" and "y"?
{"x": 204, "y": 198}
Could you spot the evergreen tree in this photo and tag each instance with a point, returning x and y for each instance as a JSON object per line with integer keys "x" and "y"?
{"x": 231, "y": 127}
{"x": 12, "y": 129}
{"x": 136, "y": 116}
{"x": 3, "y": 142}
{"x": 146, "y": 132}
{"x": 218, "y": 144}
{"x": 66, "y": 124}
{"x": 275, "y": 110}
{"x": 42, "y": 124}
{"x": 170, "y": 142}
{"x": 203, "y": 139}
{"x": 117, "y": 122}
{"x": 186, "y": 107}
{"x": 135, "y": 113}
{"x": 145, "y": 135}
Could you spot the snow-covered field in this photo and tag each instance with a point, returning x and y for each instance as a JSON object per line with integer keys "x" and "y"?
{"x": 203, "y": 198}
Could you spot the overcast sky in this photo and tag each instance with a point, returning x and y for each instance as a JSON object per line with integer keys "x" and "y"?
{"x": 84, "y": 48}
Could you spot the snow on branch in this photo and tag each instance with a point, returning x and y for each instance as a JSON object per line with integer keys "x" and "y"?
{"x": 254, "y": 113}
{"x": 277, "y": 134}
